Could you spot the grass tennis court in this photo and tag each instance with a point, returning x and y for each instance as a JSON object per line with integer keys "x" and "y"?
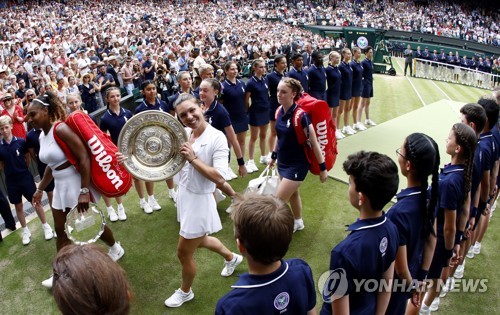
{"x": 150, "y": 240}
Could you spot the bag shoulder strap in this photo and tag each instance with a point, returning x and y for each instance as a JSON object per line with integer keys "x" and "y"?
{"x": 303, "y": 139}
{"x": 64, "y": 146}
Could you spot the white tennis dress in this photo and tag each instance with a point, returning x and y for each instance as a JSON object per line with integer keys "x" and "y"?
{"x": 196, "y": 206}
{"x": 67, "y": 182}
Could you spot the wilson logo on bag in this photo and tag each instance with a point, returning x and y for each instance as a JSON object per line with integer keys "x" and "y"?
{"x": 108, "y": 176}
{"x": 324, "y": 128}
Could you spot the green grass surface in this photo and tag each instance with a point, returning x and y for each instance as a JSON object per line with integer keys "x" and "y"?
{"x": 150, "y": 240}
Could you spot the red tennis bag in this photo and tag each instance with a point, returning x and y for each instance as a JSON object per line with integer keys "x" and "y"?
{"x": 108, "y": 176}
{"x": 324, "y": 127}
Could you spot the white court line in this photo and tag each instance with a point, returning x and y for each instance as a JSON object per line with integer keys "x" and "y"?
{"x": 413, "y": 86}
{"x": 441, "y": 90}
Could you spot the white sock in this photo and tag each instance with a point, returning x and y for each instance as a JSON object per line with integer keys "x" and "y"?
{"x": 152, "y": 197}
{"x": 142, "y": 200}
{"x": 110, "y": 208}
{"x": 26, "y": 229}
{"x": 424, "y": 307}
{"x": 477, "y": 244}
{"x": 120, "y": 206}
{"x": 46, "y": 225}
{"x": 172, "y": 190}
{"x": 115, "y": 246}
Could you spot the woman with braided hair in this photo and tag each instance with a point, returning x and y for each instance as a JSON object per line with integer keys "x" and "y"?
{"x": 72, "y": 187}
{"x": 413, "y": 214}
{"x": 452, "y": 209}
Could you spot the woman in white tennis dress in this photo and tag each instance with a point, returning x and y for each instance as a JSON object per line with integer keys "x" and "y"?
{"x": 206, "y": 153}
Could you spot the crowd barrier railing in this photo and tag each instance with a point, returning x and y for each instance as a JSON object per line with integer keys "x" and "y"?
{"x": 456, "y": 74}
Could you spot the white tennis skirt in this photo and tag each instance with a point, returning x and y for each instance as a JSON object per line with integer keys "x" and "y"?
{"x": 197, "y": 214}
{"x": 67, "y": 184}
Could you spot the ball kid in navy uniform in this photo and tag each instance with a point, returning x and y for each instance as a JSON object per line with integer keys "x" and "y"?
{"x": 413, "y": 214}
{"x": 491, "y": 108}
{"x": 297, "y": 72}
{"x": 317, "y": 77}
{"x": 232, "y": 96}
{"x": 151, "y": 101}
{"x": 272, "y": 285}
{"x": 257, "y": 105}
{"x": 334, "y": 80}
{"x": 367, "y": 91}
{"x": 474, "y": 116}
{"x": 217, "y": 116}
{"x": 346, "y": 90}
{"x": 357, "y": 88}
{"x": 451, "y": 215}
{"x": 273, "y": 79}
{"x": 18, "y": 178}
{"x": 369, "y": 251}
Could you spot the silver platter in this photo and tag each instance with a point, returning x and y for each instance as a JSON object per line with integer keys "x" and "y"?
{"x": 151, "y": 140}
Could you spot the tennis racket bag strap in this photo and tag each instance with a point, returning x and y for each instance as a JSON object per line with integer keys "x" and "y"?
{"x": 108, "y": 176}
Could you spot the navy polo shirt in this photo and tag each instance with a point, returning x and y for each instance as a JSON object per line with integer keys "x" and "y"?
{"x": 158, "y": 105}
{"x": 288, "y": 290}
{"x": 151, "y": 74}
{"x": 496, "y": 136}
{"x": 290, "y": 151}
{"x": 301, "y": 76}
{"x": 233, "y": 97}
{"x": 114, "y": 123}
{"x": 406, "y": 214}
{"x": 346, "y": 71}
{"x": 357, "y": 72}
{"x": 477, "y": 172}
{"x": 487, "y": 146}
{"x": 333, "y": 78}
{"x": 274, "y": 78}
{"x": 317, "y": 79}
{"x": 366, "y": 253}
{"x": 367, "y": 71}
{"x": 259, "y": 94}
{"x": 170, "y": 106}
{"x": 217, "y": 116}
{"x": 451, "y": 193}
{"x": 13, "y": 156}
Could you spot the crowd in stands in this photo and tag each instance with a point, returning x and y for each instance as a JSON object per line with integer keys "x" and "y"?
{"x": 444, "y": 18}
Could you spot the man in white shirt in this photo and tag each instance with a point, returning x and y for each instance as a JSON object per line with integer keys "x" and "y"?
{"x": 83, "y": 62}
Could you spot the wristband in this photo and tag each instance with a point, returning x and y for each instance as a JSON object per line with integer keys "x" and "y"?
{"x": 481, "y": 207}
{"x": 193, "y": 160}
{"x": 322, "y": 166}
{"x": 39, "y": 190}
{"x": 422, "y": 274}
{"x": 473, "y": 212}
{"x": 448, "y": 253}
{"x": 458, "y": 237}
{"x": 241, "y": 162}
{"x": 274, "y": 155}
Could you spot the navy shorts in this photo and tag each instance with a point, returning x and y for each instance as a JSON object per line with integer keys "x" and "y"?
{"x": 293, "y": 172}
{"x": 241, "y": 125}
{"x": 257, "y": 119}
{"x": 367, "y": 91}
{"x": 356, "y": 90}
{"x": 438, "y": 260}
{"x": 345, "y": 95}
{"x": 17, "y": 189}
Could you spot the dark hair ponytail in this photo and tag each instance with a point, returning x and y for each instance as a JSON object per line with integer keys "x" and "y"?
{"x": 466, "y": 138}
{"x": 423, "y": 153}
